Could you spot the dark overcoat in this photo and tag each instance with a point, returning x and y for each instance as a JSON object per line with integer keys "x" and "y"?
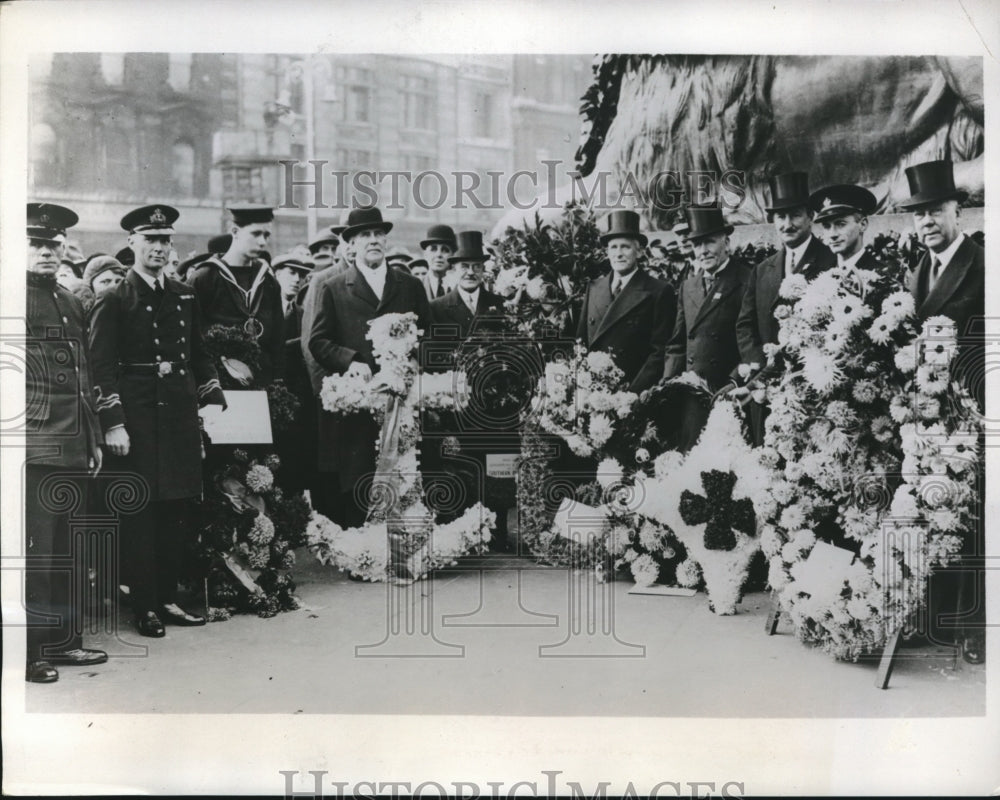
{"x": 133, "y": 333}
{"x": 452, "y": 325}
{"x": 704, "y": 335}
{"x": 338, "y": 336}
{"x": 960, "y": 295}
{"x": 633, "y": 327}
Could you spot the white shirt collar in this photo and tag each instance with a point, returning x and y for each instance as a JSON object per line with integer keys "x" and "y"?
{"x": 375, "y": 277}
{"x": 624, "y": 279}
{"x": 470, "y": 297}
{"x": 801, "y": 249}
{"x": 852, "y": 261}
{"x": 945, "y": 257}
{"x": 151, "y": 282}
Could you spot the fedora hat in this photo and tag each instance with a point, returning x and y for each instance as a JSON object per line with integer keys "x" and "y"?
{"x": 623, "y": 224}
{"x": 932, "y": 182}
{"x": 831, "y": 202}
{"x": 363, "y": 219}
{"x": 439, "y": 234}
{"x": 789, "y": 190}
{"x": 470, "y": 248}
{"x": 706, "y": 221}
{"x": 325, "y": 236}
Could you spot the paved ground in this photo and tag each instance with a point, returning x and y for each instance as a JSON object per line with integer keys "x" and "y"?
{"x": 466, "y": 644}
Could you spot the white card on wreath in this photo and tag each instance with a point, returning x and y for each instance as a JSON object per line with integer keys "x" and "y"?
{"x": 579, "y": 522}
{"x": 246, "y": 421}
{"x": 823, "y": 572}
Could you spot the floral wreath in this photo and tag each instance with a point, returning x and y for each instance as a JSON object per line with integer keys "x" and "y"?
{"x": 871, "y": 440}
{"x": 400, "y": 539}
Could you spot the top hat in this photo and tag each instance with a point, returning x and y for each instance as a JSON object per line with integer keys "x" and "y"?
{"x": 363, "y": 219}
{"x": 706, "y": 221}
{"x": 325, "y": 236}
{"x": 221, "y": 243}
{"x": 292, "y": 261}
{"x": 932, "y": 182}
{"x": 836, "y": 201}
{"x": 439, "y": 234}
{"x": 623, "y": 224}
{"x": 48, "y": 222}
{"x": 790, "y": 190}
{"x": 155, "y": 220}
{"x": 250, "y": 214}
{"x": 470, "y": 248}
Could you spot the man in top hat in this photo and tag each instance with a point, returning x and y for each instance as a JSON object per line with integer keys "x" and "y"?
{"x": 238, "y": 289}
{"x": 151, "y": 374}
{"x": 704, "y": 336}
{"x": 801, "y": 253}
{"x": 950, "y": 281}
{"x": 63, "y": 439}
{"x": 468, "y": 309}
{"x": 338, "y": 341}
{"x": 842, "y": 212}
{"x": 629, "y": 313}
{"x": 437, "y": 247}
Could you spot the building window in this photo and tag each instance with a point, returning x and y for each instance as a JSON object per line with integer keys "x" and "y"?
{"x": 113, "y": 68}
{"x": 358, "y": 94}
{"x": 242, "y": 183}
{"x": 179, "y": 72}
{"x": 428, "y": 190}
{"x": 418, "y": 103}
{"x": 483, "y": 115}
{"x": 183, "y": 169}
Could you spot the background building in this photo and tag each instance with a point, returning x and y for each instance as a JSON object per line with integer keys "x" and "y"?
{"x": 110, "y": 131}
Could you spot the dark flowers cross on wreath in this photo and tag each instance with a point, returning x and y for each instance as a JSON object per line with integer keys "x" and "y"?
{"x": 719, "y": 510}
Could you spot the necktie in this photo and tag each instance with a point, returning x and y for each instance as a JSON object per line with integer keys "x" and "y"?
{"x": 707, "y": 281}
{"x": 289, "y": 305}
{"x": 440, "y": 289}
{"x": 616, "y": 287}
{"x": 469, "y": 303}
{"x": 935, "y": 273}
{"x": 791, "y": 262}
{"x": 158, "y": 289}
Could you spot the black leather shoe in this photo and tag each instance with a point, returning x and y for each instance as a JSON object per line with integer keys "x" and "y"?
{"x": 80, "y": 657}
{"x": 974, "y": 649}
{"x": 176, "y": 615}
{"x": 41, "y": 672}
{"x": 149, "y": 625}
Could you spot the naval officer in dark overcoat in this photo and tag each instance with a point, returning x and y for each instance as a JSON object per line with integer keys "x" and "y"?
{"x": 151, "y": 374}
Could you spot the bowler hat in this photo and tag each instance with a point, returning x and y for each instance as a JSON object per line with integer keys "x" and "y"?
{"x": 470, "y": 248}
{"x": 932, "y": 182}
{"x": 836, "y": 201}
{"x": 439, "y": 234}
{"x": 363, "y": 219}
{"x": 623, "y": 224}
{"x": 220, "y": 243}
{"x": 48, "y": 222}
{"x": 339, "y": 228}
{"x": 706, "y": 221}
{"x": 155, "y": 220}
{"x": 790, "y": 190}
{"x": 250, "y": 214}
{"x": 325, "y": 236}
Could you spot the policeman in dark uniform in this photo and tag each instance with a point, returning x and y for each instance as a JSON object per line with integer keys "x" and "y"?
{"x": 238, "y": 288}
{"x": 151, "y": 374}
{"x": 63, "y": 445}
